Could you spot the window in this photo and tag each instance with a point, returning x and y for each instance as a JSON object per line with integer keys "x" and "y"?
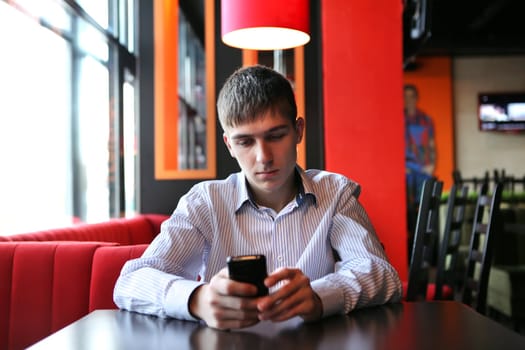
{"x": 67, "y": 116}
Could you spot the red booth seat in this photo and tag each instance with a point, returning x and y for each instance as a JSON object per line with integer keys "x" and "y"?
{"x": 107, "y": 263}
{"x": 136, "y": 230}
{"x": 45, "y": 286}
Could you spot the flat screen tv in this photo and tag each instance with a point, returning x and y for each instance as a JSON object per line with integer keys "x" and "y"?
{"x": 501, "y": 112}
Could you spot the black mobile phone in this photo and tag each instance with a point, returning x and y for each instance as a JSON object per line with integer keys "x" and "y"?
{"x": 249, "y": 269}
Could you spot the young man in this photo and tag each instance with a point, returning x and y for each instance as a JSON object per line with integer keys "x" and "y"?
{"x": 322, "y": 253}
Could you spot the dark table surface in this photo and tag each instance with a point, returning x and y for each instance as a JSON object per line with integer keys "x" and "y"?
{"x": 432, "y": 325}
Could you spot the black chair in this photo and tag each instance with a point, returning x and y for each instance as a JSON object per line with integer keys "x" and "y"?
{"x": 506, "y": 286}
{"x": 506, "y": 295}
{"x": 448, "y": 274}
{"x": 425, "y": 236}
{"x": 477, "y": 182}
{"x": 474, "y": 291}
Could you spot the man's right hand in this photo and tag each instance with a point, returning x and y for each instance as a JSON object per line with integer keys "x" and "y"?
{"x": 224, "y": 303}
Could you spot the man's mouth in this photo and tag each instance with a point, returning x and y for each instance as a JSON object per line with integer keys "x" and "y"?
{"x": 266, "y": 172}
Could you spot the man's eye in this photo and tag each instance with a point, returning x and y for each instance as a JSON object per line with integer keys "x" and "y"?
{"x": 244, "y": 143}
{"x": 274, "y": 137}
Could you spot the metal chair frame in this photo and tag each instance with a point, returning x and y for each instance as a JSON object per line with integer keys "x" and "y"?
{"x": 474, "y": 291}
{"x": 424, "y": 240}
{"x": 448, "y": 266}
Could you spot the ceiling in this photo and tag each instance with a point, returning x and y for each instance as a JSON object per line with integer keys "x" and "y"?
{"x": 456, "y": 27}
{"x": 476, "y": 27}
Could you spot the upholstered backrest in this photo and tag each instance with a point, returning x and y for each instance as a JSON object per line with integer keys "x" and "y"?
{"x": 51, "y": 278}
{"x": 107, "y": 264}
{"x": 137, "y": 230}
{"x": 44, "y": 286}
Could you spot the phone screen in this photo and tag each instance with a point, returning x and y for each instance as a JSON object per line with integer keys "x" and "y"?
{"x": 249, "y": 269}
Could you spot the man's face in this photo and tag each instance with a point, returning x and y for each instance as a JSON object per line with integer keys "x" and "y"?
{"x": 410, "y": 100}
{"x": 266, "y": 150}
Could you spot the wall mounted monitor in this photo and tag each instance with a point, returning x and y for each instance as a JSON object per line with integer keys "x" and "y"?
{"x": 501, "y": 112}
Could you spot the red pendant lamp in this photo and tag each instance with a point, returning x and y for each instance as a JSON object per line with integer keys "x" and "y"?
{"x": 265, "y": 24}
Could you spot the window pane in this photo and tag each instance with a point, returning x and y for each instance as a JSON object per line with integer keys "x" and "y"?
{"x": 127, "y": 23}
{"x": 131, "y": 24}
{"x": 58, "y": 118}
{"x": 35, "y": 181}
{"x": 47, "y": 10}
{"x": 130, "y": 150}
{"x": 98, "y": 10}
{"x": 92, "y": 41}
{"x": 93, "y": 140}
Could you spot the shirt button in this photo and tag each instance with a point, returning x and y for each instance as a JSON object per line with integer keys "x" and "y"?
{"x": 280, "y": 258}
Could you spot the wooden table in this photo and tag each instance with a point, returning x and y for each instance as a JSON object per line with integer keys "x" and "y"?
{"x": 432, "y": 325}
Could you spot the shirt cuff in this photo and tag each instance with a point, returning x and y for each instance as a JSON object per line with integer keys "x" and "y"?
{"x": 332, "y": 298}
{"x": 177, "y": 299}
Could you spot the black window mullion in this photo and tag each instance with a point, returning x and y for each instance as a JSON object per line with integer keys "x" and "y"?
{"x": 78, "y": 193}
{"x": 115, "y": 143}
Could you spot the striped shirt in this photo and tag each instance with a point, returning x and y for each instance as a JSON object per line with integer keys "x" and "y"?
{"x": 324, "y": 232}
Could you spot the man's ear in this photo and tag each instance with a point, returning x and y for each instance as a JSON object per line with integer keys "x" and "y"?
{"x": 299, "y": 128}
{"x": 227, "y": 143}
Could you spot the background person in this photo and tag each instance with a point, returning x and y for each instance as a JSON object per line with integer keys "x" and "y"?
{"x": 420, "y": 155}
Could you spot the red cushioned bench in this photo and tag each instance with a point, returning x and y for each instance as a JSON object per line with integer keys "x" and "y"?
{"x": 140, "y": 229}
{"x": 46, "y": 285}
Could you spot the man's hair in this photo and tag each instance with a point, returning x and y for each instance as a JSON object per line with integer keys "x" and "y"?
{"x": 413, "y": 88}
{"x": 252, "y": 91}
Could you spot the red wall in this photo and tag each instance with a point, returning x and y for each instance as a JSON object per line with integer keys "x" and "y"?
{"x": 363, "y": 110}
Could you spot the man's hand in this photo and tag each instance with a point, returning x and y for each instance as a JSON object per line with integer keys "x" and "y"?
{"x": 295, "y": 297}
{"x": 224, "y": 303}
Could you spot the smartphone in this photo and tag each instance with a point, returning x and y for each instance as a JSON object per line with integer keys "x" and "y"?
{"x": 249, "y": 269}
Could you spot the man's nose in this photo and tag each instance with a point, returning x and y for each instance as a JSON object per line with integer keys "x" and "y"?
{"x": 264, "y": 152}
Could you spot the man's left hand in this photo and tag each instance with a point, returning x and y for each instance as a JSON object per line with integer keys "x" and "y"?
{"x": 294, "y": 298}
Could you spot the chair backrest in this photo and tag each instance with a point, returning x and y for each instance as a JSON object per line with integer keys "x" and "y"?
{"x": 447, "y": 265}
{"x": 484, "y": 227}
{"x": 424, "y": 240}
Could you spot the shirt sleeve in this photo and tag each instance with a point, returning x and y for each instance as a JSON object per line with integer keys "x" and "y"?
{"x": 162, "y": 280}
{"x": 363, "y": 276}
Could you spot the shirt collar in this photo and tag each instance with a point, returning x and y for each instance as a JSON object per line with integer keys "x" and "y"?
{"x": 303, "y": 182}
{"x": 306, "y": 187}
{"x": 244, "y": 195}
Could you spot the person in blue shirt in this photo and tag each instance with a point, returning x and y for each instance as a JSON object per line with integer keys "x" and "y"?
{"x": 322, "y": 252}
{"x": 420, "y": 154}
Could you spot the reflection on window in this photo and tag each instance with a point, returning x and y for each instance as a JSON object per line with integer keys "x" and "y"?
{"x": 192, "y": 103}
{"x": 64, "y": 159}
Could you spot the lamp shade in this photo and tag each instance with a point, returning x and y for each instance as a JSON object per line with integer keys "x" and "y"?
{"x": 265, "y": 24}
